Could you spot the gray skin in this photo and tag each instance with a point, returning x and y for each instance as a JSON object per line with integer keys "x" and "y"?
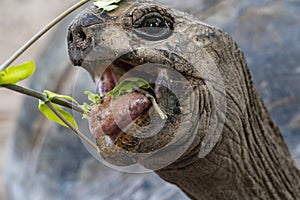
{"x": 250, "y": 160}
{"x": 46, "y": 161}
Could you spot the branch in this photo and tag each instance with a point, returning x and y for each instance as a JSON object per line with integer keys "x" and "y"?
{"x": 61, "y": 102}
{"x": 42, "y": 96}
{"x": 78, "y": 133}
{"x": 40, "y": 34}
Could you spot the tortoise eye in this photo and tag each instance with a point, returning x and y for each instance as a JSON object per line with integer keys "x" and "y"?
{"x": 152, "y": 27}
{"x": 154, "y": 22}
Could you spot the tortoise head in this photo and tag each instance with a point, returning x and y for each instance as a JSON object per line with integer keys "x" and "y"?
{"x": 168, "y": 48}
{"x": 219, "y": 139}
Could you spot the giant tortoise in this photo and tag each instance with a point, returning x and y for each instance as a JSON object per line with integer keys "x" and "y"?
{"x": 248, "y": 160}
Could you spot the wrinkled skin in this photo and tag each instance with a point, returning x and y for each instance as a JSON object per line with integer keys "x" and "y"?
{"x": 250, "y": 159}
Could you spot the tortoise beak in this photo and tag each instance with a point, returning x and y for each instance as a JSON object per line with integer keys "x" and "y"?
{"x": 79, "y": 41}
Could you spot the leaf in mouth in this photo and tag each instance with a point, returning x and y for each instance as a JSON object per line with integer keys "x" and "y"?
{"x": 156, "y": 107}
{"x": 129, "y": 85}
{"x": 94, "y": 98}
{"x": 125, "y": 86}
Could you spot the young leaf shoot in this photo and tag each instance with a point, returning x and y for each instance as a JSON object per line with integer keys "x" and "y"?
{"x": 14, "y": 74}
{"x": 52, "y": 116}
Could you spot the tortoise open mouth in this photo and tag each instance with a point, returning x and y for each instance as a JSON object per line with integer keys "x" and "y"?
{"x": 130, "y": 108}
{"x": 110, "y": 58}
{"x": 116, "y": 71}
{"x": 147, "y": 134}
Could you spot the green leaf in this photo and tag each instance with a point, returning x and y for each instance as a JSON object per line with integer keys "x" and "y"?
{"x": 52, "y": 116}
{"x": 86, "y": 109}
{"x": 14, "y": 74}
{"x": 51, "y": 95}
{"x": 106, "y": 5}
{"x": 94, "y": 98}
{"x": 129, "y": 85}
{"x": 125, "y": 86}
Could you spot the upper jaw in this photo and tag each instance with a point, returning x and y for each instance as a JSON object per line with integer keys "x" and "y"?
{"x": 121, "y": 68}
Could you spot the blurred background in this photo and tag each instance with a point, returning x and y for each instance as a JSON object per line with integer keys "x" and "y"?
{"x": 19, "y": 21}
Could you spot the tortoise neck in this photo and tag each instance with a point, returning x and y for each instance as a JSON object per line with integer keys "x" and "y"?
{"x": 251, "y": 159}
{"x": 267, "y": 169}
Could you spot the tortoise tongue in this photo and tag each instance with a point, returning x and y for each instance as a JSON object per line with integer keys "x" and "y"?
{"x": 115, "y": 114}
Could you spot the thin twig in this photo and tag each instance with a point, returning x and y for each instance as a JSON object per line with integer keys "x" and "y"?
{"x": 41, "y": 33}
{"x": 67, "y": 104}
{"x": 78, "y": 133}
{"x": 41, "y": 96}
{"x": 26, "y": 91}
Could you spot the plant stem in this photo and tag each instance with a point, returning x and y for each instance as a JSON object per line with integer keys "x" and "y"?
{"x": 41, "y": 33}
{"x": 41, "y": 96}
{"x": 78, "y": 133}
{"x": 55, "y": 100}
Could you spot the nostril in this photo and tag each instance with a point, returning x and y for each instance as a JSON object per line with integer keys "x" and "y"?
{"x": 79, "y": 44}
{"x": 77, "y": 38}
{"x": 81, "y": 35}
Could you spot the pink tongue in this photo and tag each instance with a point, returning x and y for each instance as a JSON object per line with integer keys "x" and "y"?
{"x": 115, "y": 114}
{"x": 107, "y": 82}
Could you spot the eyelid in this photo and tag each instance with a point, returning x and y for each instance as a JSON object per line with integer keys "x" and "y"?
{"x": 145, "y": 33}
{"x": 139, "y": 21}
